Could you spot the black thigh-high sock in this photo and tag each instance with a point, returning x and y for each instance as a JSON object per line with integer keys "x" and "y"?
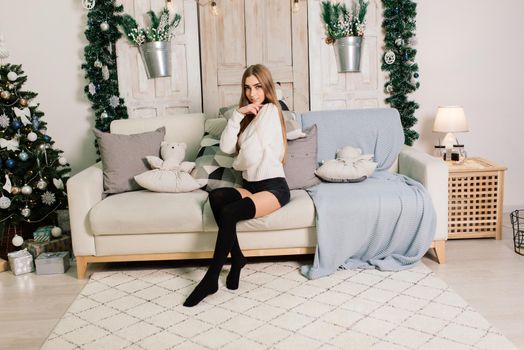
{"x": 230, "y": 214}
{"x": 218, "y": 199}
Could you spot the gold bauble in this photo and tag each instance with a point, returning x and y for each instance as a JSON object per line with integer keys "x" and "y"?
{"x": 27, "y": 129}
{"x": 5, "y": 95}
{"x": 22, "y": 102}
{"x": 15, "y": 190}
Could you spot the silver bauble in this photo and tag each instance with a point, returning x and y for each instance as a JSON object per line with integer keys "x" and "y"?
{"x": 5, "y": 202}
{"x": 32, "y": 136}
{"x": 98, "y": 64}
{"x": 12, "y": 76}
{"x": 23, "y": 156}
{"x": 17, "y": 240}
{"x": 104, "y": 26}
{"x": 104, "y": 115}
{"x": 62, "y": 161}
{"x": 41, "y": 184}
{"x": 27, "y": 190}
{"x": 26, "y": 212}
{"x": 56, "y": 231}
{"x": 41, "y": 147}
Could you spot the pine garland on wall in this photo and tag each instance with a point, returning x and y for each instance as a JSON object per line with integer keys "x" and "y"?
{"x": 100, "y": 63}
{"x": 399, "y": 61}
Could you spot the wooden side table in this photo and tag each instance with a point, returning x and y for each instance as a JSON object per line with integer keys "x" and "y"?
{"x": 475, "y": 199}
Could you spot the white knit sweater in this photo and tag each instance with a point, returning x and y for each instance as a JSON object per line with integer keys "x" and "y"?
{"x": 261, "y": 144}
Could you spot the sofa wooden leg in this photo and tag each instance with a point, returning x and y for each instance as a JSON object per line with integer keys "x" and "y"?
{"x": 440, "y": 251}
{"x": 81, "y": 267}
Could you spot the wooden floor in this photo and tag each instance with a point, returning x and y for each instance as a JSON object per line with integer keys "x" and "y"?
{"x": 485, "y": 272}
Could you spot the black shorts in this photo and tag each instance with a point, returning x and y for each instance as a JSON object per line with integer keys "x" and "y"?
{"x": 276, "y": 185}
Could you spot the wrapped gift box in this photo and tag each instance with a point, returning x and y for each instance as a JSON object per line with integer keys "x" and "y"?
{"x": 21, "y": 262}
{"x": 50, "y": 263}
{"x": 60, "y": 244}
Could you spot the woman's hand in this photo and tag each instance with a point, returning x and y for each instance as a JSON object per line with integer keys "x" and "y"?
{"x": 251, "y": 108}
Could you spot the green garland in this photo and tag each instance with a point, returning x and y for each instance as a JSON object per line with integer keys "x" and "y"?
{"x": 399, "y": 27}
{"x": 100, "y": 64}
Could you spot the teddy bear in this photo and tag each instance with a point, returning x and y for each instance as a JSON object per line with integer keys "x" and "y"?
{"x": 169, "y": 173}
{"x": 350, "y": 165}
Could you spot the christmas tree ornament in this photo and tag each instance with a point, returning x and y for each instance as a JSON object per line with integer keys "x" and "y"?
{"x": 10, "y": 163}
{"x": 10, "y": 145}
{"x": 104, "y": 115}
{"x": 105, "y": 72}
{"x": 56, "y": 232}
{"x": 17, "y": 240}
{"x": 62, "y": 160}
{"x": 41, "y": 147}
{"x": 47, "y": 138}
{"x": 6, "y": 95}
{"x": 15, "y": 190}
{"x": 104, "y": 26}
{"x": 23, "y": 102}
{"x": 32, "y": 136}
{"x": 26, "y": 212}
{"x": 24, "y": 114}
{"x": 10, "y": 86}
{"x": 27, "y": 129}
{"x": 12, "y": 76}
{"x": 92, "y": 88}
{"x": 27, "y": 190}
{"x": 88, "y": 4}
{"x": 43, "y": 130}
{"x": 59, "y": 184}
{"x": 4, "y": 121}
{"x": 5, "y": 202}
{"x": 36, "y": 124}
{"x": 98, "y": 63}
{"x": 23, "y": 156}
{"x": 389, "y": 57}
{"x": 399, "y": 42}
{"x": 15, "y": 124}
{"x": 48, "y": 198}
{"x": 7, "y": 186}
{"x": 114, "y": 101}
{"x": 389, "y": 88}
{"x": 41, "y": 184}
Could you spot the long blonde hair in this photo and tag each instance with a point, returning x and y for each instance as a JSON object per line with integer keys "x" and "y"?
{"x": 264, "y": 77}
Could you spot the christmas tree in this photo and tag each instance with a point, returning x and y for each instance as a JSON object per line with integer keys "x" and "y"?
{"x": 32, "y": 172}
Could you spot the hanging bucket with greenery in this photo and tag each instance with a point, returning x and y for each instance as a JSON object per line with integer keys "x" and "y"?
{"x": 345, "y": 30}
{"x": 153, "y": 42}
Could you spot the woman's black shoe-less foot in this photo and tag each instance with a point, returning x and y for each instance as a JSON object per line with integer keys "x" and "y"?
{"x": 206, "y": 287}
{"x": 234, "y": 274}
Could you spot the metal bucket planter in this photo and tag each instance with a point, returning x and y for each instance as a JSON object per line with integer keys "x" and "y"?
{"x": 157, "y": 58}
{"x": 347, "y": 53}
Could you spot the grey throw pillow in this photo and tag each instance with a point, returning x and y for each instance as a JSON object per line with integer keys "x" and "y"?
{"x": 301, "y": 161}
{"x": 124, "y": 157}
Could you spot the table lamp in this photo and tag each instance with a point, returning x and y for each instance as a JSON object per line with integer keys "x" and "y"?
{"x": 450, "y": 119}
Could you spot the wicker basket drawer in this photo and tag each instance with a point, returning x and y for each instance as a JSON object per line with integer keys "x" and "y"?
{"x": 475, "y": 199}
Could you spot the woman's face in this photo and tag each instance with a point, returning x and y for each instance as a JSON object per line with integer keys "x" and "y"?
{"x": 254, "y": 91}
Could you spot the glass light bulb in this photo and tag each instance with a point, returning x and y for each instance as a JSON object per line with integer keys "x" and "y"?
{"x": 214, "y": 8}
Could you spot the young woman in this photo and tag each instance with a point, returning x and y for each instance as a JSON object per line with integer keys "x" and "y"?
{"x": 257, "y": 132}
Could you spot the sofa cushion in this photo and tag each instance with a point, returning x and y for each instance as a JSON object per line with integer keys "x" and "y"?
{"x": 124, "y": 156}
{"x": 298, "y": 213}
{"x": 148, "y": 212}
{"x": 301, "y": 161}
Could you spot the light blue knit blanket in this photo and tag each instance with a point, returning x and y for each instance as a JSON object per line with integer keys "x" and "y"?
{"x": 387, "y": 221}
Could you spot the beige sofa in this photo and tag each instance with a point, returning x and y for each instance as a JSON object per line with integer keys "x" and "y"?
{"x": 143, "y": 225}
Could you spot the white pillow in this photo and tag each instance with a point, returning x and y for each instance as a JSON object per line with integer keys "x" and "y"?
{"x": 293, "y": 129}
{"x": 347, "y": 170}
{"x": 159, "y": 180}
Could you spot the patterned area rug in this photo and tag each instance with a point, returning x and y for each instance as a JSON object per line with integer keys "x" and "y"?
{"x": 274, "y": 308}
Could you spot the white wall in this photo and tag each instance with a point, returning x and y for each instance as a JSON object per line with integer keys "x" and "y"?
{"x": 47, "y": 38}
{"x": 469, "y": 54}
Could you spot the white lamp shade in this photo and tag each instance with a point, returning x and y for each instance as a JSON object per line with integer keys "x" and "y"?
{"x": 450, "y": 119}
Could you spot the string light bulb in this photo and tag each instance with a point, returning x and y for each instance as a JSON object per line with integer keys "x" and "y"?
{"x": 296, "y": 6}
{"x": 214, "y": 8}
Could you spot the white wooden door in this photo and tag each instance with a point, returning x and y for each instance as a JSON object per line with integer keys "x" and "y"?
{"x": 333, "y": 90}
{"x": 247, "y": 32}
{"x": 180, "y": 93}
